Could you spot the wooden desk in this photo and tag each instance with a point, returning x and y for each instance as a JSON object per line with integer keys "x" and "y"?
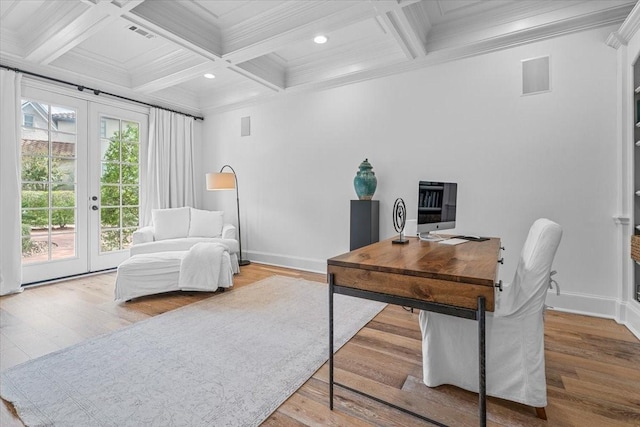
{"x": 456, "y": 280}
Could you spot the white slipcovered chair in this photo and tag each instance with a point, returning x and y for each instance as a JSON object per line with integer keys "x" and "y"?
{"x": 515, "y": 366}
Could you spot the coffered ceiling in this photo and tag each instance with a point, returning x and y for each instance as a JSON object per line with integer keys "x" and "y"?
{"x": 159, "y": 50}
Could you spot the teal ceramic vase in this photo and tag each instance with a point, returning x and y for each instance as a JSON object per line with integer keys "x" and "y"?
{"x": 365, "y": 181}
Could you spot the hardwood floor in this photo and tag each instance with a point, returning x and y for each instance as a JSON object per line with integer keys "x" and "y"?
{"x": 593, "y": 365}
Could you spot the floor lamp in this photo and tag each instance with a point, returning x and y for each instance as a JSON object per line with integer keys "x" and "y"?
{"x": 228, "y": 181}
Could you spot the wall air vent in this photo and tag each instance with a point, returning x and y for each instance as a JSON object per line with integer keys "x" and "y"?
{"x": 140, "y": 31}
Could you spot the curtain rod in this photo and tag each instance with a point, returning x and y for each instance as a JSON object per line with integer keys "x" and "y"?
{"x": 81, "y": 88}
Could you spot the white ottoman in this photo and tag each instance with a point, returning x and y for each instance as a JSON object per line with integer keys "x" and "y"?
{"x": 154, "y": 273}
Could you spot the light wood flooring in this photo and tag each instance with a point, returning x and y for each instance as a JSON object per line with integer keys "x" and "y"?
{"x": 593, "y": 365}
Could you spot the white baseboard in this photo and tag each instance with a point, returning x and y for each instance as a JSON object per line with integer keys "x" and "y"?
{"x": 626, "y": 313}
{"x": 590, "y": 305}
{"x": 630, "y": 316}
{"x": 305, "y": 264}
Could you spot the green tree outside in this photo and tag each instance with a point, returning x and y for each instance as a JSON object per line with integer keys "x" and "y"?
{"x": 119, "y": 189}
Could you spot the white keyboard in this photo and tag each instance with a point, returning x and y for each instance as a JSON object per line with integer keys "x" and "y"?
{"x": 453, "y": 241}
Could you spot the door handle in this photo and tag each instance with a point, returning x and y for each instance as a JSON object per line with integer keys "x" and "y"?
{"x": 94, "y": 207}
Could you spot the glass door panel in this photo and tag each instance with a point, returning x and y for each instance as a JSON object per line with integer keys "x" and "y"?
{"x": 117, "y": 186}
{"x": 53, "y": 222}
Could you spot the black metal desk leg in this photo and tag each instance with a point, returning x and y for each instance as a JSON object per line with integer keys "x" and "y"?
{"x": 482, "y": 389}
{"x": 331, "y": 342}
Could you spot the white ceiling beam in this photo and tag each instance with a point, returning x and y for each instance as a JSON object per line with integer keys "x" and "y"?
{"x": 171, "y": 75}
{"x": 289, "y": 24}
{"x": 408, "y": 39}
{"x": 73, "y": 23}
{"x": 267, "y": 69}
{"x": 255, "y": 76}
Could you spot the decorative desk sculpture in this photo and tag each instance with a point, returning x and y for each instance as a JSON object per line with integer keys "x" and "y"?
{"x": 399, "y": 220}
{"x": 365, "y": 181}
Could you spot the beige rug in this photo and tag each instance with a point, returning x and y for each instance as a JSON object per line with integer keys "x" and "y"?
{"x": 229, "y": 360}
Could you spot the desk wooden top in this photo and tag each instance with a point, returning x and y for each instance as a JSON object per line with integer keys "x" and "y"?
{"x": 429, "y": 271}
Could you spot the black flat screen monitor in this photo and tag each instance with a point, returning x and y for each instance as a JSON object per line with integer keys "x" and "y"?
{"x": 436, "y": 206}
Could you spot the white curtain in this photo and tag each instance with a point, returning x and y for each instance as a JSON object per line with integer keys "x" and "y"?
{"x": 169, "y": 182}
{"x": 10, "y": 232}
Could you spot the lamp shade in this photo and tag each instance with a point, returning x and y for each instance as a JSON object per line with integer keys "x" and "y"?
{"x": 221, "y": 181}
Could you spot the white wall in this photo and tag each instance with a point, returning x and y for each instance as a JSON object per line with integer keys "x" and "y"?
{"x": 516, "y": 158}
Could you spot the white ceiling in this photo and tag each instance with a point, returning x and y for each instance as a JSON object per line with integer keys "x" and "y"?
{"x": 258, "y": 49}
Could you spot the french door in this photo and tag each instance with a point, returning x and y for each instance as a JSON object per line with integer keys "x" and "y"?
{"x": 115, "y": 183}
{"x": 80, "y": 183}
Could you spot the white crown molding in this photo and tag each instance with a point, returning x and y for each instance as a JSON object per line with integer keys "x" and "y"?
{"x": 614, "y": 40}
{"x": 627, "y": 30}
{"x": 542, "y": 25}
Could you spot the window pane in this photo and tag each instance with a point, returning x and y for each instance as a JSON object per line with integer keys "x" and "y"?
{"x": 61, "y": 148}
{"x": 36, "y": 218}
{"x": 130, "y": 194}
{"x": 110, "y": 173}
{"x": 63, "y": 119}
{"x": 63, "y": 199}
{"x": 130, "y": 153}
{"x": 110, "y": 217}
{"x": 35, "y": 146}
{"x": 26, "y": 230}
{"x": 35, "y": 168}
{"x": 40, "y": 113}
{"x": 63, "y": 186}
{"x": 111, "y": 127}
{"x": 110, "y": 195}
{"x": 130, "y": 131}
{"x": 35, "y": 195}
{"x": 110, "y": 149}
{"x": 35, "y": 248}
{"x": 63, "y": 218}
{"x": 110, "y": 240}
{"x": 129, "y": 174}
{"x": 63, "y": 245}
{"x": 129, "y": 217}
{"x": 127, "y": 237}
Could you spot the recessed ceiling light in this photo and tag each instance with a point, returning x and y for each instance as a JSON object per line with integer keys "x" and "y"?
{"x": 210, "y": 76}
{"x": 320, "y": 39}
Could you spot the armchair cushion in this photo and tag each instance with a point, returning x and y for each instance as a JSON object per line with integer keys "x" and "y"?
{"x": 205, "y": 223}
{"x": 170, "y": 223}
{"x": 143, "y": 235}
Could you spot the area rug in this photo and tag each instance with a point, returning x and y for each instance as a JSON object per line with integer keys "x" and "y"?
{"x": 229, "y": 360}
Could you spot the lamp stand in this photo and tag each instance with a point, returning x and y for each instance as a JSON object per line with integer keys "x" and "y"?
{"x": 240, "y": 260}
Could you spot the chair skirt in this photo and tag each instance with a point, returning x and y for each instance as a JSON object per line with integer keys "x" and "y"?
{"x": 514, "y": 355}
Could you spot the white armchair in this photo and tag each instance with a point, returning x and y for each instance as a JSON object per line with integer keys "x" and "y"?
{"x": 514, "y": 332}
{"x": 178, "y": 229}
